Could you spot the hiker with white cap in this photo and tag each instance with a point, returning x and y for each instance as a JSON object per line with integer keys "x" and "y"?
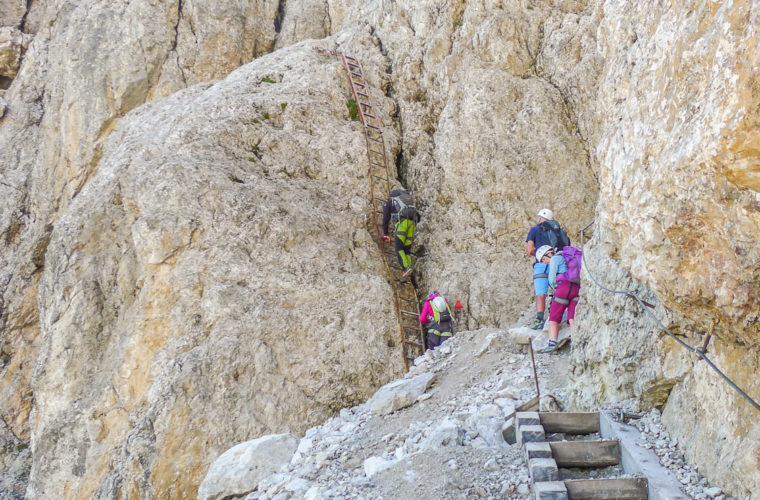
{"x": 436, "y": 315}
{"x": 547, "y": 231}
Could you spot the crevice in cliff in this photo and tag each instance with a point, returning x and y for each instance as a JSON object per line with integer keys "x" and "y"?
{"x": 280, "y": 16}
{"x": 22, "y": 24}
{"x": 572, "y": 117}
{"x": 328, "y": 19}
{"x": 5, "y": 82}
{"x": 175, "y": 43}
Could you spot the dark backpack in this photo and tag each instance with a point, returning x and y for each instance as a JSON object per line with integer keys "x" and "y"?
{"x": 555, "y": 234}
{"x": 403, "y": 206}
{"x": 444, "y": 316}
{"x": 574, "y": 258}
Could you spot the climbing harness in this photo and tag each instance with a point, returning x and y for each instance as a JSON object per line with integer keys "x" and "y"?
{"x": 406, "y": 301}
{"x": 647, "y": 309}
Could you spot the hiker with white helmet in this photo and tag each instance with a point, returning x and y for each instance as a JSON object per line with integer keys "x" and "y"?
{"x": 564, "y": 277}
{"x": 547, "y": 231}
{"x": 437, "y": 317}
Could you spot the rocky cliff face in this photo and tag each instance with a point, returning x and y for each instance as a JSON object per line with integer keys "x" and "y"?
{"x": 487, "y": 97}
{"x": 174, "y": 279}
{"x": 677, "y": 221}
{"x": 200, "y": 268}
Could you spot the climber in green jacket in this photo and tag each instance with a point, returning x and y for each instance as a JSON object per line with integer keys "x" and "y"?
{"x": 399, "y": 208}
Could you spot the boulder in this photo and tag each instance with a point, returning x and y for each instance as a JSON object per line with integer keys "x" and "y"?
{"x": 375, "y": 465}
{"x": 238, "y": 470}
{"x": 523, "y": 335}
{"x": 399, "y": 394}
{"x": 446, "y": 433}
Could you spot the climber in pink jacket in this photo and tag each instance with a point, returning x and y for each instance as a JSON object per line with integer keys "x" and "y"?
{"x": 437, "y": 318}
{"x": 427, "y": 309}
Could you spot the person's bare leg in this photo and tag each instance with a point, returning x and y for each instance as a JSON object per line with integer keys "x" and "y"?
{"x": 540, "y": 303}
{"x": 553, "y": 330}
{"x": 572, "y": 325}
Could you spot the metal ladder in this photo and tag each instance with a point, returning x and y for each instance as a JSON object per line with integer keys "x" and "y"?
{"x": 406, "y": 301}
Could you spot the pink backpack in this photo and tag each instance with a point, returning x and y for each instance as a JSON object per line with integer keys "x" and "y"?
{"x": 574, "y": 258}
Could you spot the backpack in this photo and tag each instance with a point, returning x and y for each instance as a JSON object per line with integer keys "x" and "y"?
{"x": 403, "y": 206}
{"x": 574, "y": 258}
{"x": 555, "y": 234}
{"x": 443, "y": 316}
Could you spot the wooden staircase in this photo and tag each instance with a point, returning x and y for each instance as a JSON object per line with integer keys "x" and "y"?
{"x": 546, "y": 458}
{"x": 551, "y": 446}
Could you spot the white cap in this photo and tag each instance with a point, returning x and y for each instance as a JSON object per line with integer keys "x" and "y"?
{"x": 542, "y": 251}
{"x": 439, "y": 303}
{"x": 546, "y": 214}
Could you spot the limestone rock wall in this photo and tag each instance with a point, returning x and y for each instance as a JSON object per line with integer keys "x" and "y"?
{"x": 72, "y": 70}
{"x": 678, "y": 220}
{"x": 198, "y": 290}
{"x": 486, "y": 118}
{"x": 170, "y": 270}
{"x": 12, "y": 12}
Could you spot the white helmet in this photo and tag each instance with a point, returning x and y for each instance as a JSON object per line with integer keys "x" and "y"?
{"x": 439, "y": 303}
{"x": 546, "y": 214}
{"x": 542, "y": 251}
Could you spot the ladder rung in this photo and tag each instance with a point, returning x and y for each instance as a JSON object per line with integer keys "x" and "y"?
{"x": 358, "y": 75}
{"x": 372, "y": 126}
{"x": 412, "y": 342}
{"x": 363, "y": 94}
{"x": 410, "y": 313}
{"x": 360, "y": 84}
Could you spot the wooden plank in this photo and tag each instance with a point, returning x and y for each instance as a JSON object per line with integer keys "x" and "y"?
{"x": 607, "y": 489}
{"x": 586, "y": 453}
{"x": 529, "y": 405}
{"x": 570, "y": 423}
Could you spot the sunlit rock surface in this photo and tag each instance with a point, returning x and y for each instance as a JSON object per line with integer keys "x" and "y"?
{"x": 174, "y": 278}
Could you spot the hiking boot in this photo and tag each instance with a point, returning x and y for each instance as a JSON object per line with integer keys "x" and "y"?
{"x": 562, "y": 342}
{"x": 537, "y": 324}
{"x": 550, "y": 347}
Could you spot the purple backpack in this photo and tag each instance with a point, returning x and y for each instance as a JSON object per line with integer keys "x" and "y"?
{"x": 574, "y": 258}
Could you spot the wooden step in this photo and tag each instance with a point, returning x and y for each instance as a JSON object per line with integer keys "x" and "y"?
{"x": 607, "y": 489}
{"x": 569, "y": 423}
{"x": 586, "y": 453}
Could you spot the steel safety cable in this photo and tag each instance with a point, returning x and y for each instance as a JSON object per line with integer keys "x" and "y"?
{"x": 659, "y": 323}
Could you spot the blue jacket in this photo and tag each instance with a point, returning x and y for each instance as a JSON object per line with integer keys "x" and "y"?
{"x": 557, "y": 265}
